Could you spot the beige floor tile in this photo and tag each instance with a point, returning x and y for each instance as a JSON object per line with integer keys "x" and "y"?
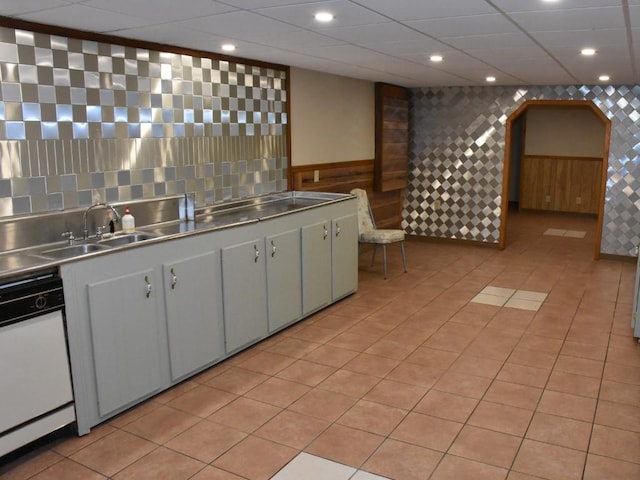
{"x": 446, "y": 405}
{"x": 345, "y": 445}
{"x": 399, "y": 460}
{"x": 67, "y": 470}
{"x": 292, "y": 429}
{"x": 202, "y": 401}
{"x": 523, "y": 374}
{"x": 486, "y": 446}
{"x": 620, "y": 392}
{"x": 549, "y": 461}
{"x": 373, "y": 417}
{"x": 245, "y": 414}
{"x": 331, "y": 356}
{"x": 501, "y": 418}
{"x": 507, "y": 393}
{"x": 567, "y": 405}
{"x": 573, "y": 384}
{"x": 278, "y": 392}
{"x": 255, "y": 458}
{"x": 374, "y": 365}
{"x": 206, "y": 441}
{"x": 213, "y": 473}
{"x": 615, "y": 443}
{"x": 427, "y": 431}
{"x": 561, "y": 431}
{"x": 268, "y": 363}
{"x": 162, "y": 424}
{"x": 618, "y": 415}
{"x": 237, "y": 380}
{"x": 113, "y": 452}
{"x": 523, "y": 304}
{"x": 396, "y": 394}
{"x": 461, "y": 384}
{"x": 161, "y": 464}
{"x": 307, "y": 373}
{"x": 602, "y": 467}
{"x": 323, "y": 404}
{"x": 456, "y": 468}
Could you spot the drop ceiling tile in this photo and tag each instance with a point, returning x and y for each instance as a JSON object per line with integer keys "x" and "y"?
{"x": 374, "y": 34}
{"x": 464, "y": 26}
{"x": 578, "y": 39}
{"x": 416, "y": 10}
{"x": 424, "y": 46}
{"x": 26, "y": 6}
{"x": 85, "y": 18}
{"x": 510, "y": 6}
{"x": 576, "y": 19}
{"x": 489, "y": 41}
{"x": 346, "y": 14}
{"x": 255, "y": 4}
{"x": 162, "y": 9}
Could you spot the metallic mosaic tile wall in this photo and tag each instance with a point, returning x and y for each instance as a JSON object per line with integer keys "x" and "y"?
{"x": 457, "y": 139}
{"x": 82, "y": 121}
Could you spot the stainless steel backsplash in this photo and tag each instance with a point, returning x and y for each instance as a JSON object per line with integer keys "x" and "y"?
{"x": 83, "y": 121}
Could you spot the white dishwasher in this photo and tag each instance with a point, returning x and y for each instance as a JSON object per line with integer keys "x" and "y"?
{"x": 36, "y": 396}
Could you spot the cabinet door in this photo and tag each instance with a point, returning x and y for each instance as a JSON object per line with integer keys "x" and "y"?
{"x": 244, "y": 293}
{"x": 194, "y": 313}
{"x": 344, "y": 255}
{"x": 316, "y": 266}
{"x": 284, "y": 278}
{"x": 125, "y": 329}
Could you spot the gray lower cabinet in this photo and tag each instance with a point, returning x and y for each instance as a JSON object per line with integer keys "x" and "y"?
{"x": 344, "y": 255}
{"x": 284, "y": 278}
{"x": 193, "y": 307}
{"x": 316, "y": 266}
{"x": 125, "y": 328}
{"x": 244, "y": 286}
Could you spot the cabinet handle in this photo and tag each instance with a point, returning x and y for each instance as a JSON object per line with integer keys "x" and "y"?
{"x": 174, "y": 279}
{"x": 148, "y": 289}
{"x": 337, "y": 229}
{"x": 325, "y": 232}
{"x": 273, "y": 249}
{"x": 257, "y": 254}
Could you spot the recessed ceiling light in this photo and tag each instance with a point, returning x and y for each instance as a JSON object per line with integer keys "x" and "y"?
{"x": 587, "y": 52}
{"x": 604, "y": 78}
{"x": 228, "y": 47}
{"x": 323, "y": 16}
{"x": 435, "y": 58}
{"x": 490, "y": 79}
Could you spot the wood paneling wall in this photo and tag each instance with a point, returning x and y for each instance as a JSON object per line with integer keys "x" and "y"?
{"x": 562, "y": 184}
{"x": 392, "y": 137}
{"x": 341, "y": 177}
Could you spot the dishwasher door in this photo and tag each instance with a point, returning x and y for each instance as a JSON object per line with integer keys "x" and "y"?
{"x": 36, "y": 396}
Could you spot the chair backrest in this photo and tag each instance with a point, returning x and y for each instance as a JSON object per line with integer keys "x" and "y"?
{"x": 365, "y": 217}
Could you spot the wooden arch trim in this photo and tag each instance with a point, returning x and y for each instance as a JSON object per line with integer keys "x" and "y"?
{"x": 507, "y": 160}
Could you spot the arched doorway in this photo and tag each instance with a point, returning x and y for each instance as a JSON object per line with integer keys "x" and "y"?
{"x": 511, "y": 121}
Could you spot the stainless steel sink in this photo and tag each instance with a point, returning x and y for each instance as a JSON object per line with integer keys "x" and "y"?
{"x": 72, "y": 251}
{"x": 126, "y": 239}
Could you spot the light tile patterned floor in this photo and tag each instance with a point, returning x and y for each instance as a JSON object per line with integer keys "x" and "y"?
{"x": 408, "y": 379}
{"x": 559, "y": 232}
{"x": 511, "y": 298}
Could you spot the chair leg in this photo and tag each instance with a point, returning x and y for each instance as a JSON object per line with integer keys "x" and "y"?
{"x": 373, "y": 257}
{"x": 384, "y": 258}
{"x": 404, "y": 258}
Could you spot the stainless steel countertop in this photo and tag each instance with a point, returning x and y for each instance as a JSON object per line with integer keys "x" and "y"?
{"x": 27, "y": 261}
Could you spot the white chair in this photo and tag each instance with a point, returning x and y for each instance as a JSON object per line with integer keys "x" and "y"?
{"x": 368, "y": 233}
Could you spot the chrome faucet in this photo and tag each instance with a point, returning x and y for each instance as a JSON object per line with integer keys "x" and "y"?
{"x": 85, "y": 231}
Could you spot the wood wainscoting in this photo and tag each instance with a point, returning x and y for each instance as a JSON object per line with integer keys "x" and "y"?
{"x": 560, "y": 184}
{"x": 341, "y": 177}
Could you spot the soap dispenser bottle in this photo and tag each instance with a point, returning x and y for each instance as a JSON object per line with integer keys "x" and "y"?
{"x": 128, "y": 221}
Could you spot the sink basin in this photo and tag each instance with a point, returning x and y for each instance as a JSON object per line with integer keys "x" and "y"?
{"x": 126, "y": 239}
{"x": 73, "y": 251}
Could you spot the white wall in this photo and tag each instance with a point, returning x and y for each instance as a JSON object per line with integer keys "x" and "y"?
{"x": 332, "y": 118}
{"x": 572, "y": 132}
